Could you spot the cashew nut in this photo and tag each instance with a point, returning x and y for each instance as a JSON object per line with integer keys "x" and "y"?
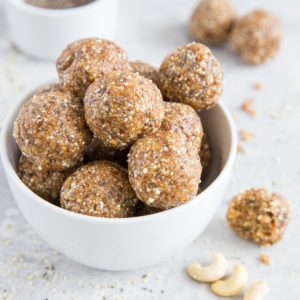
{"x": 256, "y": 291}
{"x": 234, "y": 284}
{"x": 215, "y": 271}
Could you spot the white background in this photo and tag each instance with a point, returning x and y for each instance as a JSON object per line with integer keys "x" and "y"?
{"x": 148, "y": 30}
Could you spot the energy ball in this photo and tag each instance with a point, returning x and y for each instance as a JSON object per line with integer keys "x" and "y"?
{"x": 259, "y": 215}
{"x": 144, "y": 69}
{"x": 99, "y": 189}
{"x": 123, "y": 107}
{"x": 205, "y": 154}
{"x": 97, "y": 151}
{"x": 191, "y": 75}
{"x": 51, "y": 132}
{"x": 184, "y": 120}
{"x": 212, "y": 21}
{"x": 256, "y": 37}
{"x": 44, "y": 183}
{"x": 162, "y": 171}
{"x": 86, "y": 60}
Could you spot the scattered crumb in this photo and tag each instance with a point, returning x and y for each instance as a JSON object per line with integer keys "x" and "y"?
{"x": 247, "y": 107}
{"x": 258, "y": 85}
{"x": 265, "y": 259}
{"x": 239, "y": 148}
{"x": 246, "y": 135}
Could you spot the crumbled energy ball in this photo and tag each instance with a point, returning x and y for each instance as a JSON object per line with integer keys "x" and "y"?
{"x": 212, "y": 21}
{"x": 84, "y": 61}
{"x": 162, "y": 171}
{"x": 46, "y": 184}
{"x": 259, "y": 215}
{"x": 51, "y": 132}
{"x": 184, "y": 120}
{"x": 145, "y": 70}
{"x": 257, "y": 36}
{"x": 191, "y": 75}
{"x": 99, "y": 189}
{"x": 123, "y": 107}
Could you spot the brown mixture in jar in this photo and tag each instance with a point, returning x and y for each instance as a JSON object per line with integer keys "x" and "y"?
{"x": 58, "y": 4}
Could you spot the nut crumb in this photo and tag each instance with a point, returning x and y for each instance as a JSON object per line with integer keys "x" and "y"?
{"x": 258, "y": 85}
{"x": 265, "y": 259}
{"x": 239, "y": 149}
{"x": 247, "y": 107}
{"x": 246, "y": 135}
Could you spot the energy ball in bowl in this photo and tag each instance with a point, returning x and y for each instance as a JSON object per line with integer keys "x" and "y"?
{"x": 259, "y": 215}
{"x": 144, "y": 69}
{"x": 83, "y": 61}
{"x": 99, "y": 189}
{"x": 257, "y": 37}
{"x": 191, "y": 75}
{"x": 51, "y": 132}
{"x": 123, "y": 107}
{"x": 184, "y": 120}
{"x": 44, "y": 183}
{"x": 212, "y": 21}
{"x": 162, "y": 171}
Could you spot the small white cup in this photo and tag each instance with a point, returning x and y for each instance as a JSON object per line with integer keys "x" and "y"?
{"x": 44, "y": 33}
{"x": 131, "y": 243}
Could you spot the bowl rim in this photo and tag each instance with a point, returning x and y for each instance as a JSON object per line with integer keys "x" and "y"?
{"x": 50, "y": 12}
{"x": 12, "y": 174}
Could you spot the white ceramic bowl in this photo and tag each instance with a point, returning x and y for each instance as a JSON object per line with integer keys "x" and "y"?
{"x": 44, "y": 33}
{"x": 125, "y": 244}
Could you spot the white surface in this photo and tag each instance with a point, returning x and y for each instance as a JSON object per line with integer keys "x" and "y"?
{"x": 44, "y": 33}
{"x": 126, "y": 244}
{"x": 147, "y": 30}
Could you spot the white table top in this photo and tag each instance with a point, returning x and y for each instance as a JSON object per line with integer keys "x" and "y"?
{"x": 148, "y": 30}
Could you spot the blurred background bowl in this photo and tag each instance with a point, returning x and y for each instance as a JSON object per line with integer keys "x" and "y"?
{"x": 43, "y": 33}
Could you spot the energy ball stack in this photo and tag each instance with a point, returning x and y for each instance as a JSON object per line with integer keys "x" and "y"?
{"x": 257, "y": 37}
{"x": 75, "y": 136}
{"x": 212, "y": 21}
